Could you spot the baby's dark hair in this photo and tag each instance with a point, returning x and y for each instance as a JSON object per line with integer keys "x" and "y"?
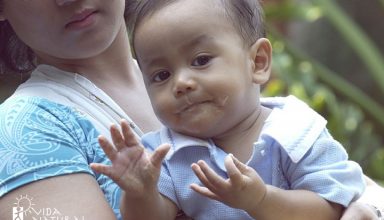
{"x": 15, "y": 56}
{"x": 247, "y": 16}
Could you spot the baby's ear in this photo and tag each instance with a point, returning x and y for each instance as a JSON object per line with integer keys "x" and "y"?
{"x": 261, "y": 56}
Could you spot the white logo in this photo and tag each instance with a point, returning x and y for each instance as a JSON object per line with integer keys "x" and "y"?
{"x": 24, "y": 207}
{"x": 17, "y": 213}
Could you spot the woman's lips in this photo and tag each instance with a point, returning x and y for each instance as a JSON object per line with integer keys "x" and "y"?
{"x": 81, "y": 20}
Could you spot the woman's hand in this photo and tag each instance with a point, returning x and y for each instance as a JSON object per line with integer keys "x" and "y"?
{"x": 133, "y": 168}
{"x": 362, "y": 208}
{"x": 244, "y": 189}
{"x": 359, "y": 211}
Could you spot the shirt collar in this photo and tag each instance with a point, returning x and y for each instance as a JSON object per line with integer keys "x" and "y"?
{"x": 179, "y": 141}
{"x": 292, "y": 123}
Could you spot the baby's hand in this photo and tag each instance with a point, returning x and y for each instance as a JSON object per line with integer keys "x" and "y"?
{"x": 244, "y": 189}
{"x": 133, "y": 168}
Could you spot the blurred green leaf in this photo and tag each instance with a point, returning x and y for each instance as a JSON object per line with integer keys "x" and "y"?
{"x": 338, "y": 83}
{"x": 353, "y": 116}
{"x": 358, "y": 40}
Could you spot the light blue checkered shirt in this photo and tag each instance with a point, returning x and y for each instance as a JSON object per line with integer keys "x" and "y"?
{"x": 294, "y": 151}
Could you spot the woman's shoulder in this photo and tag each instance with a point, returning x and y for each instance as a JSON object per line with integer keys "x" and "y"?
{"x": 20, "y": 107}
{"x": 24, "y": 116}
{"x": 39, "y": 139}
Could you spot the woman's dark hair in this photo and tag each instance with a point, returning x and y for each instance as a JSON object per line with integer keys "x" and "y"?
{"x": 15, "y": 56}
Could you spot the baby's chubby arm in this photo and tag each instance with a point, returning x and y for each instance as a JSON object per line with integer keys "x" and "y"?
{"x": 244, "y": 189}
{"x": 137, "y": 172}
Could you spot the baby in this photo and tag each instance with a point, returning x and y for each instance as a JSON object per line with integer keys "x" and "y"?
{"x": 225, "y": 153}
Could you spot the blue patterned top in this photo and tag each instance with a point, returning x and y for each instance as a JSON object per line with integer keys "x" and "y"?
{"x": 40, "y": 138}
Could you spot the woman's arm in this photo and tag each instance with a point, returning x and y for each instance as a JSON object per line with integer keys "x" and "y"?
{"x": 73, "y": 195}
{"x": 45, "y": 150}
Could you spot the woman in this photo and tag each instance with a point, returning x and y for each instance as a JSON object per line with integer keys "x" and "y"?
{"x": 68, "y": 37}
{"x": 86, "y": 79}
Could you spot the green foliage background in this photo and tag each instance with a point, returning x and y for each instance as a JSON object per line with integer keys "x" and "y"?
{"x": 354, "y": 118}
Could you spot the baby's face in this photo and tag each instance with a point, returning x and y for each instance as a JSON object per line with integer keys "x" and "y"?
{"x": 196, "y": 69}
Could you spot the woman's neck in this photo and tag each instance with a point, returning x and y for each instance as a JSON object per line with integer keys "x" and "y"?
{"x": 114, "y": 71}
{"x": 114, "y": 64}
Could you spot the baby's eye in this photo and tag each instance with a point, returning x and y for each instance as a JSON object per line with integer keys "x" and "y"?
{"x": 161, "y": 76}
{"x": 201, "y": 60}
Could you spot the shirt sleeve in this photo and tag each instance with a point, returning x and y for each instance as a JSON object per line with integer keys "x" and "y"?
{"x": 326, "y": 170}
{"x": 40, "y": 139}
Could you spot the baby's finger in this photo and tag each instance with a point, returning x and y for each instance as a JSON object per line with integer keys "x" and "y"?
{"x": 159, "y": 155}
{"x": 233, "y": 172}
{"x": 102, "y": 168}
{"x": 244, "y": 169}
{"x": 215, "y": 180}
{"x": 117, "y": 138}
{"x": 201, "y": 176}
{"x": 107, "y": 147}
{"x": 204, "y": 191}
{"x": 129, "y": 136}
